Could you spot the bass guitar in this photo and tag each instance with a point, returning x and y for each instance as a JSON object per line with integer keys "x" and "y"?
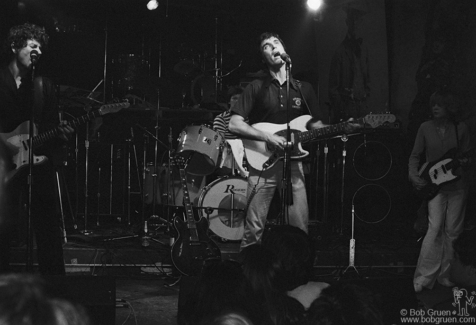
{"x": 193, "y": 246}
{"x": 440, "y": 172}
{"x": 260, "y": 157}
{"x": 19, "y": 145}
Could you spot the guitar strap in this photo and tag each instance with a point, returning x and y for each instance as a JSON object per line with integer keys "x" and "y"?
{"x": 457, "y": 137}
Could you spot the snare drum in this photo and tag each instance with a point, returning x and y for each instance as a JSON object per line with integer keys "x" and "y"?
{"x": 226, "y": 200}
{"x": 202, "y": 145}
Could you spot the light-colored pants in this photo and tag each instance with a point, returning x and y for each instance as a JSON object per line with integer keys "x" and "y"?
{"x": 268, "y": 181}
{"x": 446, "y": 216}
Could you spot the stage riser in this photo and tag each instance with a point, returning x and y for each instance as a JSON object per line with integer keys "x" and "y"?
{"x": 90, "y": 260}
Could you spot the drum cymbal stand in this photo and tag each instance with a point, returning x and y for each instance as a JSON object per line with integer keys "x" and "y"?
{"x": 147, "y": 134}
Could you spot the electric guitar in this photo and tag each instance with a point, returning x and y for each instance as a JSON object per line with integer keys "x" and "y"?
{"x": 260, "y": 157}
{"x": 18, "y": 140}
{"x": 440, "y": 172}
{"x": 193, "y": 246}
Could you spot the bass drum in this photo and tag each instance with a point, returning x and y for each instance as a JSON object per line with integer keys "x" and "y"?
{"x": 223, "y": 202}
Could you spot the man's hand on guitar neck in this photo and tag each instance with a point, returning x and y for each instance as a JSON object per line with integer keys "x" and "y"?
{"x": 65, "y": 130}
{"x": 349, "y": 126}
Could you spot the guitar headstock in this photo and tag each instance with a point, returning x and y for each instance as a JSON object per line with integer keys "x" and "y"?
{"x": 113, "y": 108}
{"x": 376, "y": 120}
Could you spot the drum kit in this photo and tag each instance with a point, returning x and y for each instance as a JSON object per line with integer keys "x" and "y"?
{"x": 222, "y": 202}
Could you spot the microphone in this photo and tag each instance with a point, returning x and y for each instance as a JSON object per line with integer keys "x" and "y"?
{"x": 34, "y": 56}
{"x": 286, "y": 58}
{"x": 132, "y": 132}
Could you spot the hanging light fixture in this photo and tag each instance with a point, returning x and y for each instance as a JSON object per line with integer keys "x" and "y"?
{"x": 152, "y": 4}
{"x": 314, "y": 4}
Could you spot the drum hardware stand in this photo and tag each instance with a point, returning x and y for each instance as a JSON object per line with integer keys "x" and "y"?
{"x": 98, "y": 195}
{"x": 130, "y": 144}
{"x": 144, "y": 171}
{"x": 148, "y": 134}
{"x": 61, "y": 183}
{"x": 169, "y": 179}
{"x": 325, "y": 183}
{"x": 344, "y": 139}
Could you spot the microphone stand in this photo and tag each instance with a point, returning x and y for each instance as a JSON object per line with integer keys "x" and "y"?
{"x": 29, "y": 255}
{"x": 286, "y": 188}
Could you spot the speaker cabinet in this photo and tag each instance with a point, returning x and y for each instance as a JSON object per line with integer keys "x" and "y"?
{"x": 96, "y": 294}
{"x": 366, "y": 177}
{"x": 376, "y": 176}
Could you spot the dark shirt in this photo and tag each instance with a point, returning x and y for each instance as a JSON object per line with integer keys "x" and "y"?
{"x": 264, "y": 100}
{"x": 16, "y": 105}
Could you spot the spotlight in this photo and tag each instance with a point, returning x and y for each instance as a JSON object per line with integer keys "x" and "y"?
{"x": 314, "y": 4}
{"x": 152, "y": 4}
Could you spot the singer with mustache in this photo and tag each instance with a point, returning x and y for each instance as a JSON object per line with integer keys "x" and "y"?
{"x": 266, "y": 100}
{"x": 24, "y": 94}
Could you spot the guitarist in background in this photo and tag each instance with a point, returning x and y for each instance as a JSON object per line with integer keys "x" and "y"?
{"x": 265, "y": 100}
{"x": 446, "y": 210}
{"x": 24, "y": 45}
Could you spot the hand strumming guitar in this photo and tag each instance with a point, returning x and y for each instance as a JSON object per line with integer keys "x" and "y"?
{"x": 275, "y": 142}
{"x": 418, "y": 182}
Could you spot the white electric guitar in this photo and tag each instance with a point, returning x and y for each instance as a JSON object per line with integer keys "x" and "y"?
{"x": 19, "y": 145}
{"x": 260, "y": 157}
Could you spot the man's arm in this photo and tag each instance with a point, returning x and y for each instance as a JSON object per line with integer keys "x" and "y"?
{"x": 239, "y": 127}
{"x": 414, "y": 160}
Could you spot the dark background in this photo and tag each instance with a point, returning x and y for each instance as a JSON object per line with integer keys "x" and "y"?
{"x": 416, "y": 47}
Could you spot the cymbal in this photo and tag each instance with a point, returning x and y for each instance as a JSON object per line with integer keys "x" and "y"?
{"x": 74, "y": 92}
{"x": 185, "y": 67}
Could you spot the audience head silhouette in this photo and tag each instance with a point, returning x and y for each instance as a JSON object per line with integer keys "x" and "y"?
{"x": 220, "y": 287}
{"x": 463, "y": 265}
{"x": 23, "y": 301}
{"x": 345, "y": 304}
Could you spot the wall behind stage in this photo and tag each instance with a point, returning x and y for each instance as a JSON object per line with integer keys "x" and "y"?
{"x": 330, "y": 30}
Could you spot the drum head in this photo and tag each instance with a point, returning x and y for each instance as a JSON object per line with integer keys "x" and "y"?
{"x": 226, "y": 200}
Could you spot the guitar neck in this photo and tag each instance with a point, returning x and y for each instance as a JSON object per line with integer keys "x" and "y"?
{"x": 50, "y": 134}
{"x": 326, "y": 131}
{"x": 188, "y": 206}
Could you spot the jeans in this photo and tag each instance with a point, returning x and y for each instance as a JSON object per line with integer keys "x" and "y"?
{"x": 446, "y": 216}
{"x": 267, "y": 182}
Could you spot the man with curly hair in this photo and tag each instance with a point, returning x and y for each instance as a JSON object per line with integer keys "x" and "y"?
{"x": 24, "y": 95}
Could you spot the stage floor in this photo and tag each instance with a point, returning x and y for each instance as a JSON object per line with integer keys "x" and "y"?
{"x": 145, "y": 281}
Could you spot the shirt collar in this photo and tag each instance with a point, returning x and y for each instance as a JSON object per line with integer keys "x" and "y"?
{"x": 269, "y": 79}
